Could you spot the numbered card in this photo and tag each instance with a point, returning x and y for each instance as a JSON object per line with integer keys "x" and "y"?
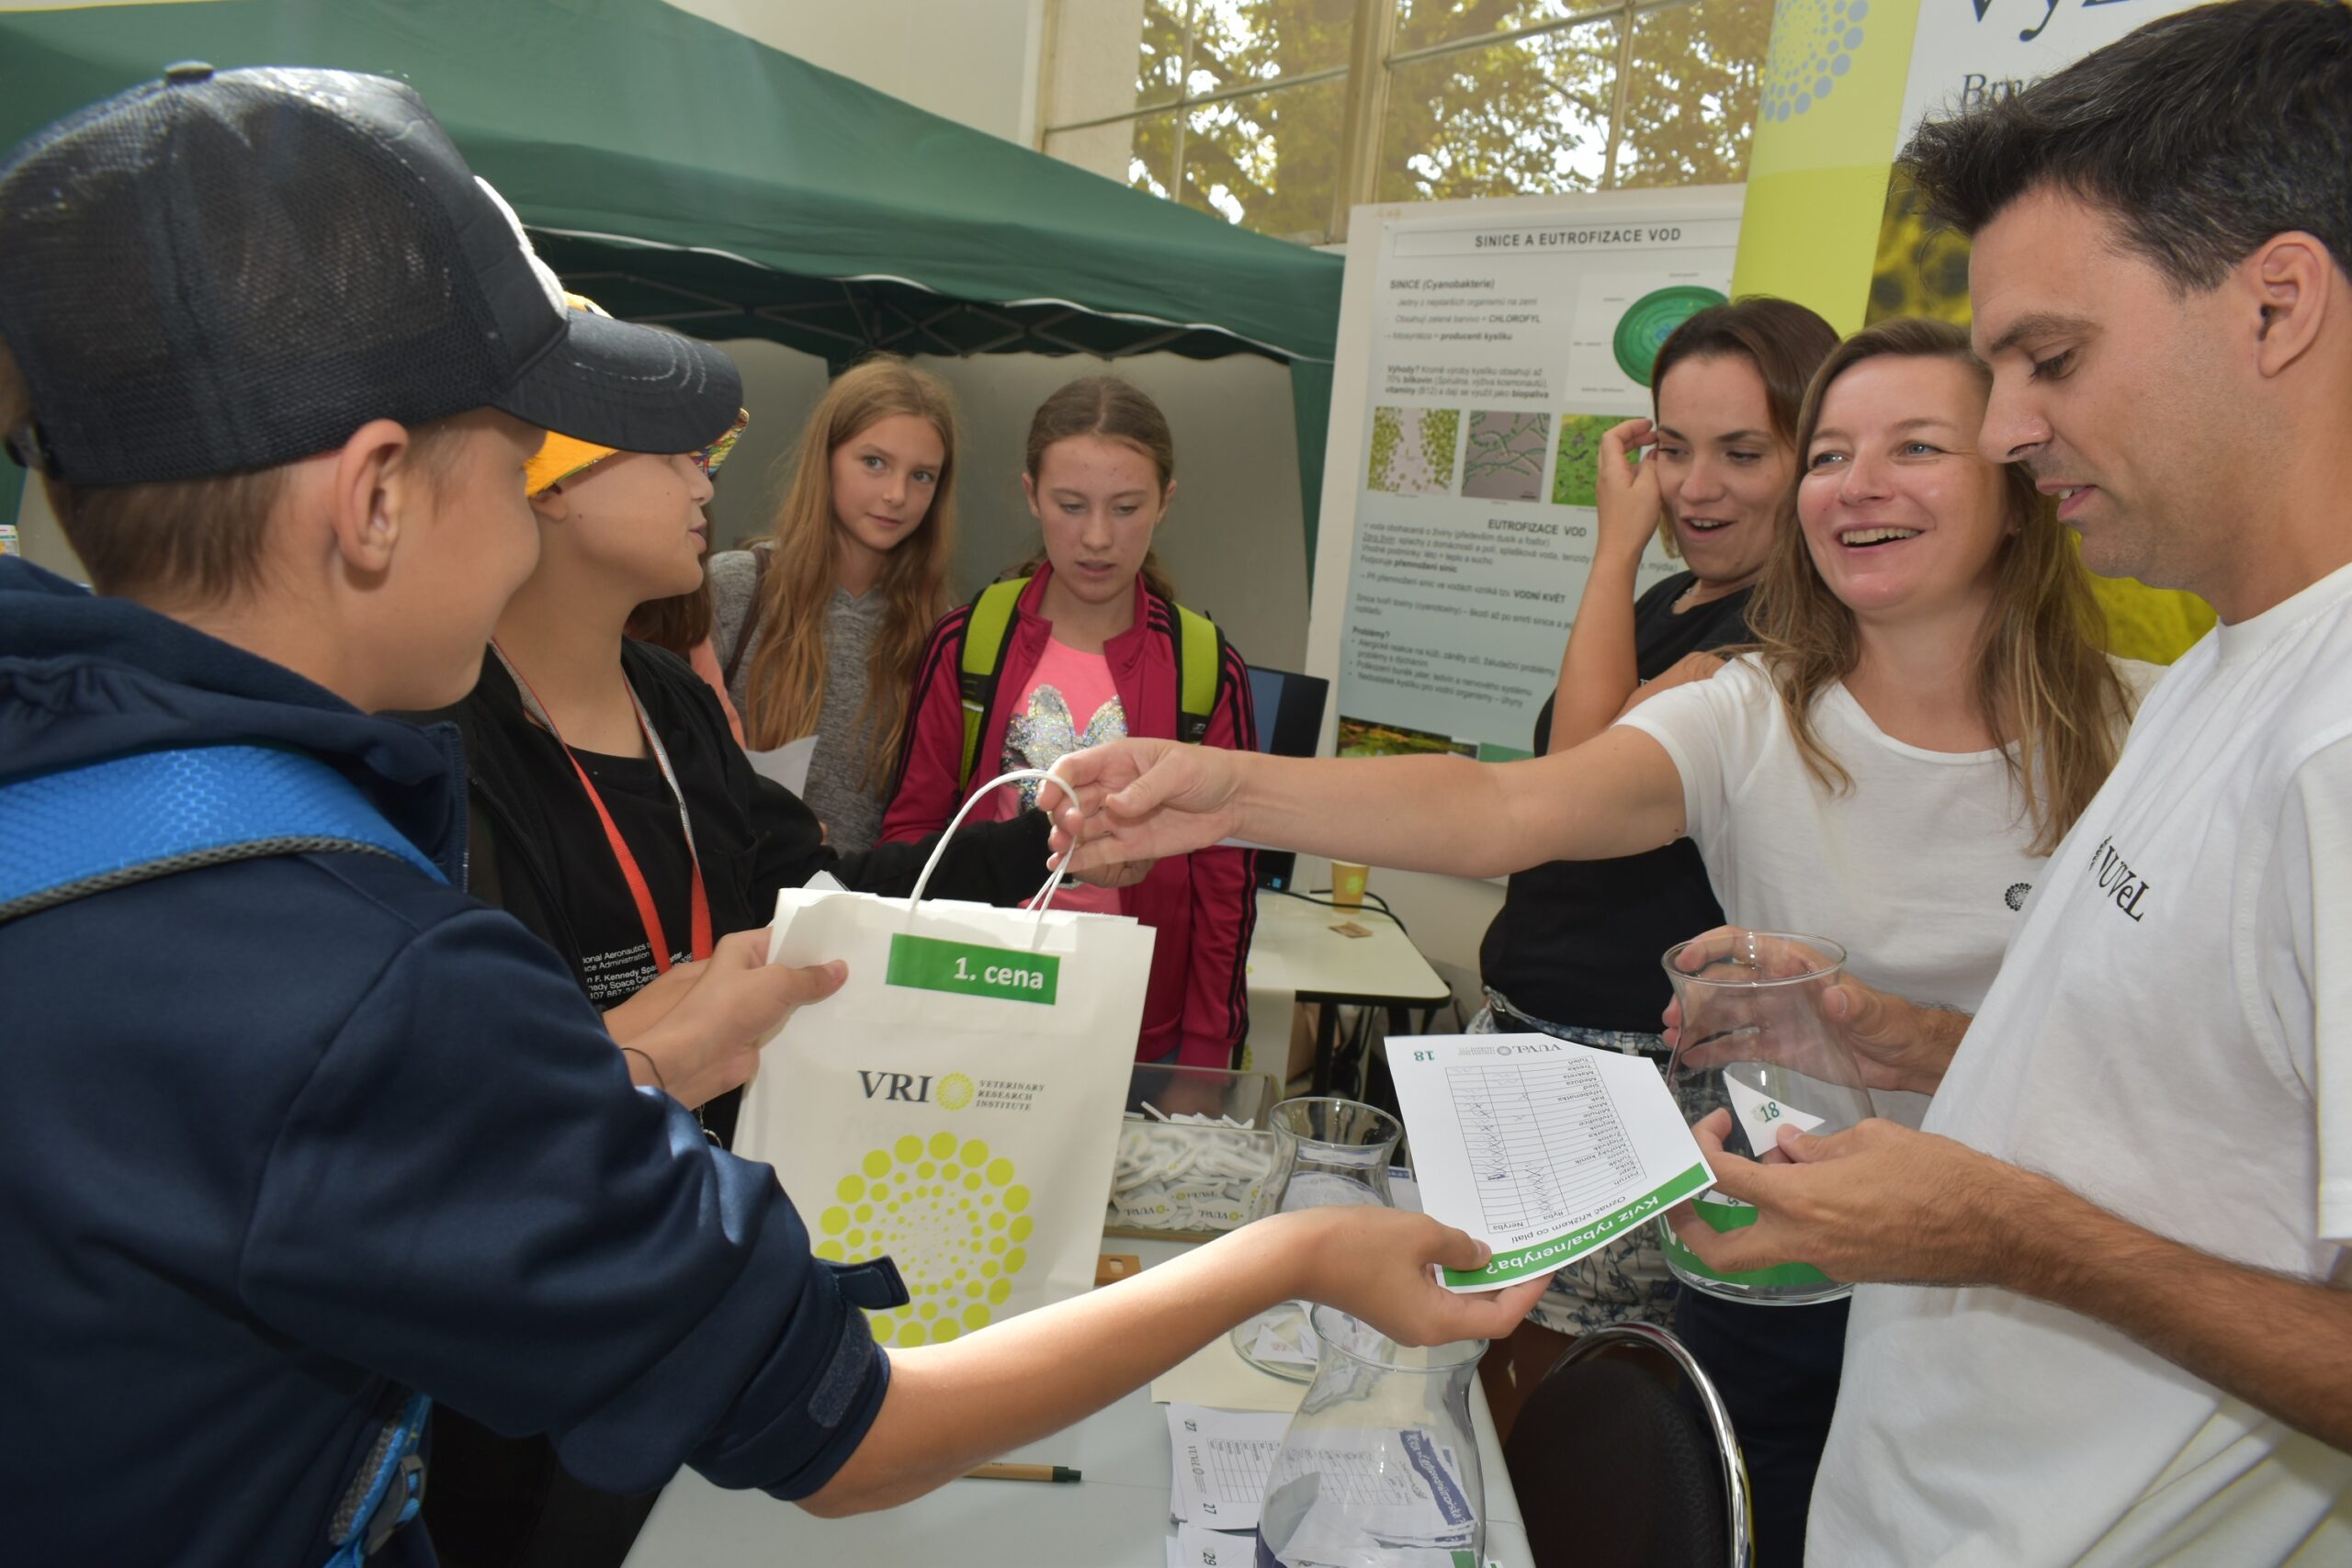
{"x": 1761, "y": 1117}
{"x": 1222, "y": 1458}
{"x": 1193, "y": 1547}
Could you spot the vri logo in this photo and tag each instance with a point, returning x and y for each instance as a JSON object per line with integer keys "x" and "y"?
{"x": 950, "y": 1091}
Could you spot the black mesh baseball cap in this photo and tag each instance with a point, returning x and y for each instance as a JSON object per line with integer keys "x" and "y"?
{"x": 230, "y": 270}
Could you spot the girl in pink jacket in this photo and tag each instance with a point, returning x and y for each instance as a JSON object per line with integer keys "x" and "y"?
{"x": 1089, "y": 645}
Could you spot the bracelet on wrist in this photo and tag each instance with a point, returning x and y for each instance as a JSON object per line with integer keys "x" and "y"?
{"x": 651, "y": 1066}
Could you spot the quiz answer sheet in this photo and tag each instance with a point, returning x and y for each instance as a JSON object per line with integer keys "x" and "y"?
{"x": 1542, "y": 1150}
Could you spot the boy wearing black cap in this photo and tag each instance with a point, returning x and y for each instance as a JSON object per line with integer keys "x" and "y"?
{"x": 299, "y": 1134}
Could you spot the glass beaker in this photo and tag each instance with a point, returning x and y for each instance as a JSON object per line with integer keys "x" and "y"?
{"x": 1753, "y": 1041}
{"x": 1379, "y": 1468}
{"x": 1329, "y": 1153}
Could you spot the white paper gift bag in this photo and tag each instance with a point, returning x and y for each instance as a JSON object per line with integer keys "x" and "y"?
{"x": 956, "y": 1103}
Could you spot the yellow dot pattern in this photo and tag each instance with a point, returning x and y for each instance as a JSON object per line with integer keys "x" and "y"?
{"x": 953, "y": 1218}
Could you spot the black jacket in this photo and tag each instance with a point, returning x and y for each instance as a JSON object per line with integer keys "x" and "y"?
{"x": 753, "y": 835}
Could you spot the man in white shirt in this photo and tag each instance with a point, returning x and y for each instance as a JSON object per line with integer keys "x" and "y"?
{"x": 2120, "y": 1330}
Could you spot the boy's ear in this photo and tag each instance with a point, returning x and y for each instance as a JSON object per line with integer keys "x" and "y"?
{"x": 552, "y": 505}
{"x": 370, "y": 490}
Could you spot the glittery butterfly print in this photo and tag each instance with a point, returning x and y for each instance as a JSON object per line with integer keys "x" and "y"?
{"x": 1045, "y": 733}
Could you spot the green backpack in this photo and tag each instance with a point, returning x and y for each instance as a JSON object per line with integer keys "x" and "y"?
{"x": 1199, "y": 663}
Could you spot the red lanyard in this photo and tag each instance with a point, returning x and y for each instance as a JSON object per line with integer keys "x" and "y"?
{"x": 630, "y": 872}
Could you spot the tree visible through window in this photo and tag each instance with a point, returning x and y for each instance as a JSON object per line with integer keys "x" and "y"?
{"x": 1253, "y": 109}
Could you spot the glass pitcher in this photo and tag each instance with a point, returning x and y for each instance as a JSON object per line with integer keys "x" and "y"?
{"x": 1753, "y": 1041}
{"x": 1380, "y": 1467}
{"x": 1329, "y": 1153}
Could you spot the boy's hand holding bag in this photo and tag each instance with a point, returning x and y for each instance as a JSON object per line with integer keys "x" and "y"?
{"x": 956, "y": 1103}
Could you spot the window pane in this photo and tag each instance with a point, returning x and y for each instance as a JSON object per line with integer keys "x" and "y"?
{"x": 1529, "y": 117}
{"x": 1269, "y": 161}
{"x": 1421, "y": 22}
{"x": 1118, "y": 151}
{"x": 1113, "y": 56}
{"x": 1151, "y": 152}
{"x": 1690, "y": 96}
{"x": 1166, "y": 50}
{"x": 1239, "y": 42}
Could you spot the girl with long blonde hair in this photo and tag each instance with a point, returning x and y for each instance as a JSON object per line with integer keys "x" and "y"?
{"x": 821, "y": 626}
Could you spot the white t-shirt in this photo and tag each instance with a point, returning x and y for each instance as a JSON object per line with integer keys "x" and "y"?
{"x": 1921, "y": 870}
{"x": 2172, "y": 1038}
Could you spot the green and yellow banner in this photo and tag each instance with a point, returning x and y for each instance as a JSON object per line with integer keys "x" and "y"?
{"x": 1829, "y": 225}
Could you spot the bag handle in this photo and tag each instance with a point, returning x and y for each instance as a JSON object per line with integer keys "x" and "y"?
{"x": 1045, "y": 896}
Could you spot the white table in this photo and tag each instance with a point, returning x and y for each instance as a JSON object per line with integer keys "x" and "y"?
{"x": 1115, "y": 1518}
{"x": 1295, "y": 950}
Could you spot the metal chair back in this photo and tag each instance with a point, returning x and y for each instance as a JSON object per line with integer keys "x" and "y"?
{"x": 1616, "y": 1468}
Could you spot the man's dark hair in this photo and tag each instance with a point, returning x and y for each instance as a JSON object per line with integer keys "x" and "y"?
{"x": 2205, "y": 133}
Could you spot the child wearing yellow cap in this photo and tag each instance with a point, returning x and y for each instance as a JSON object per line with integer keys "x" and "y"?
{"x": 613, "y": 812}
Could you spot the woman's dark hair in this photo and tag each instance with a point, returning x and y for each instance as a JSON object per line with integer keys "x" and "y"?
{"x": 1780, "y": 338}
{"x": 2205, "y": 133}
{"x": 1783, "y": 340}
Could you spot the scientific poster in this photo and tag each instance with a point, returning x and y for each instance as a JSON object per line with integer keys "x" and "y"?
{"x": 1502, "y": 348}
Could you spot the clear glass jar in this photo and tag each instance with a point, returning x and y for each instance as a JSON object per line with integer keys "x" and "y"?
{"x": 1753, "y": 1042}
{"x": 1380, "y": 1466}
{"x": 1327, "y": 1153}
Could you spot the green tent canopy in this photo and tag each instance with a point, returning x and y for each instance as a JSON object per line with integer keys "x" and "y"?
{"x": 683, "y": 173}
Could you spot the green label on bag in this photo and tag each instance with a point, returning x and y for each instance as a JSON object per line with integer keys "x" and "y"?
{"x": 969, "y": 969}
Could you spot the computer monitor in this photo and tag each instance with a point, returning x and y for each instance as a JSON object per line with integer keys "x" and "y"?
{"x": 1290, "y": 722}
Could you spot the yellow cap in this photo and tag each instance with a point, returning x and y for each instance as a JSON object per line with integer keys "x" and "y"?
{"x": 559, "y": 457}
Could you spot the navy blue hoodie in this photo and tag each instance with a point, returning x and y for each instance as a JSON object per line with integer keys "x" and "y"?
{"x": 282, "y": 1133}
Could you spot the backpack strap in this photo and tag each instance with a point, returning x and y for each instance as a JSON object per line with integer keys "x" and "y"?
{"x": 89, "y": 829}
{"x": 1200, "y": 665}
{"x": 388, "y": 1490}
{"x": 106, "y": 825}
{"x": 987, "y": 638}
{"x": 750, "y": 617}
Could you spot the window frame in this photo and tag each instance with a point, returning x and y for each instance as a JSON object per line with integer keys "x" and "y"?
{"x": 1372, "y": 62}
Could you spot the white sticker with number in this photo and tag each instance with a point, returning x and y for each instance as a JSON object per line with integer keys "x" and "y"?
{"x": 1193, "y": 1547}
{"x": 1762, "y": 1117}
